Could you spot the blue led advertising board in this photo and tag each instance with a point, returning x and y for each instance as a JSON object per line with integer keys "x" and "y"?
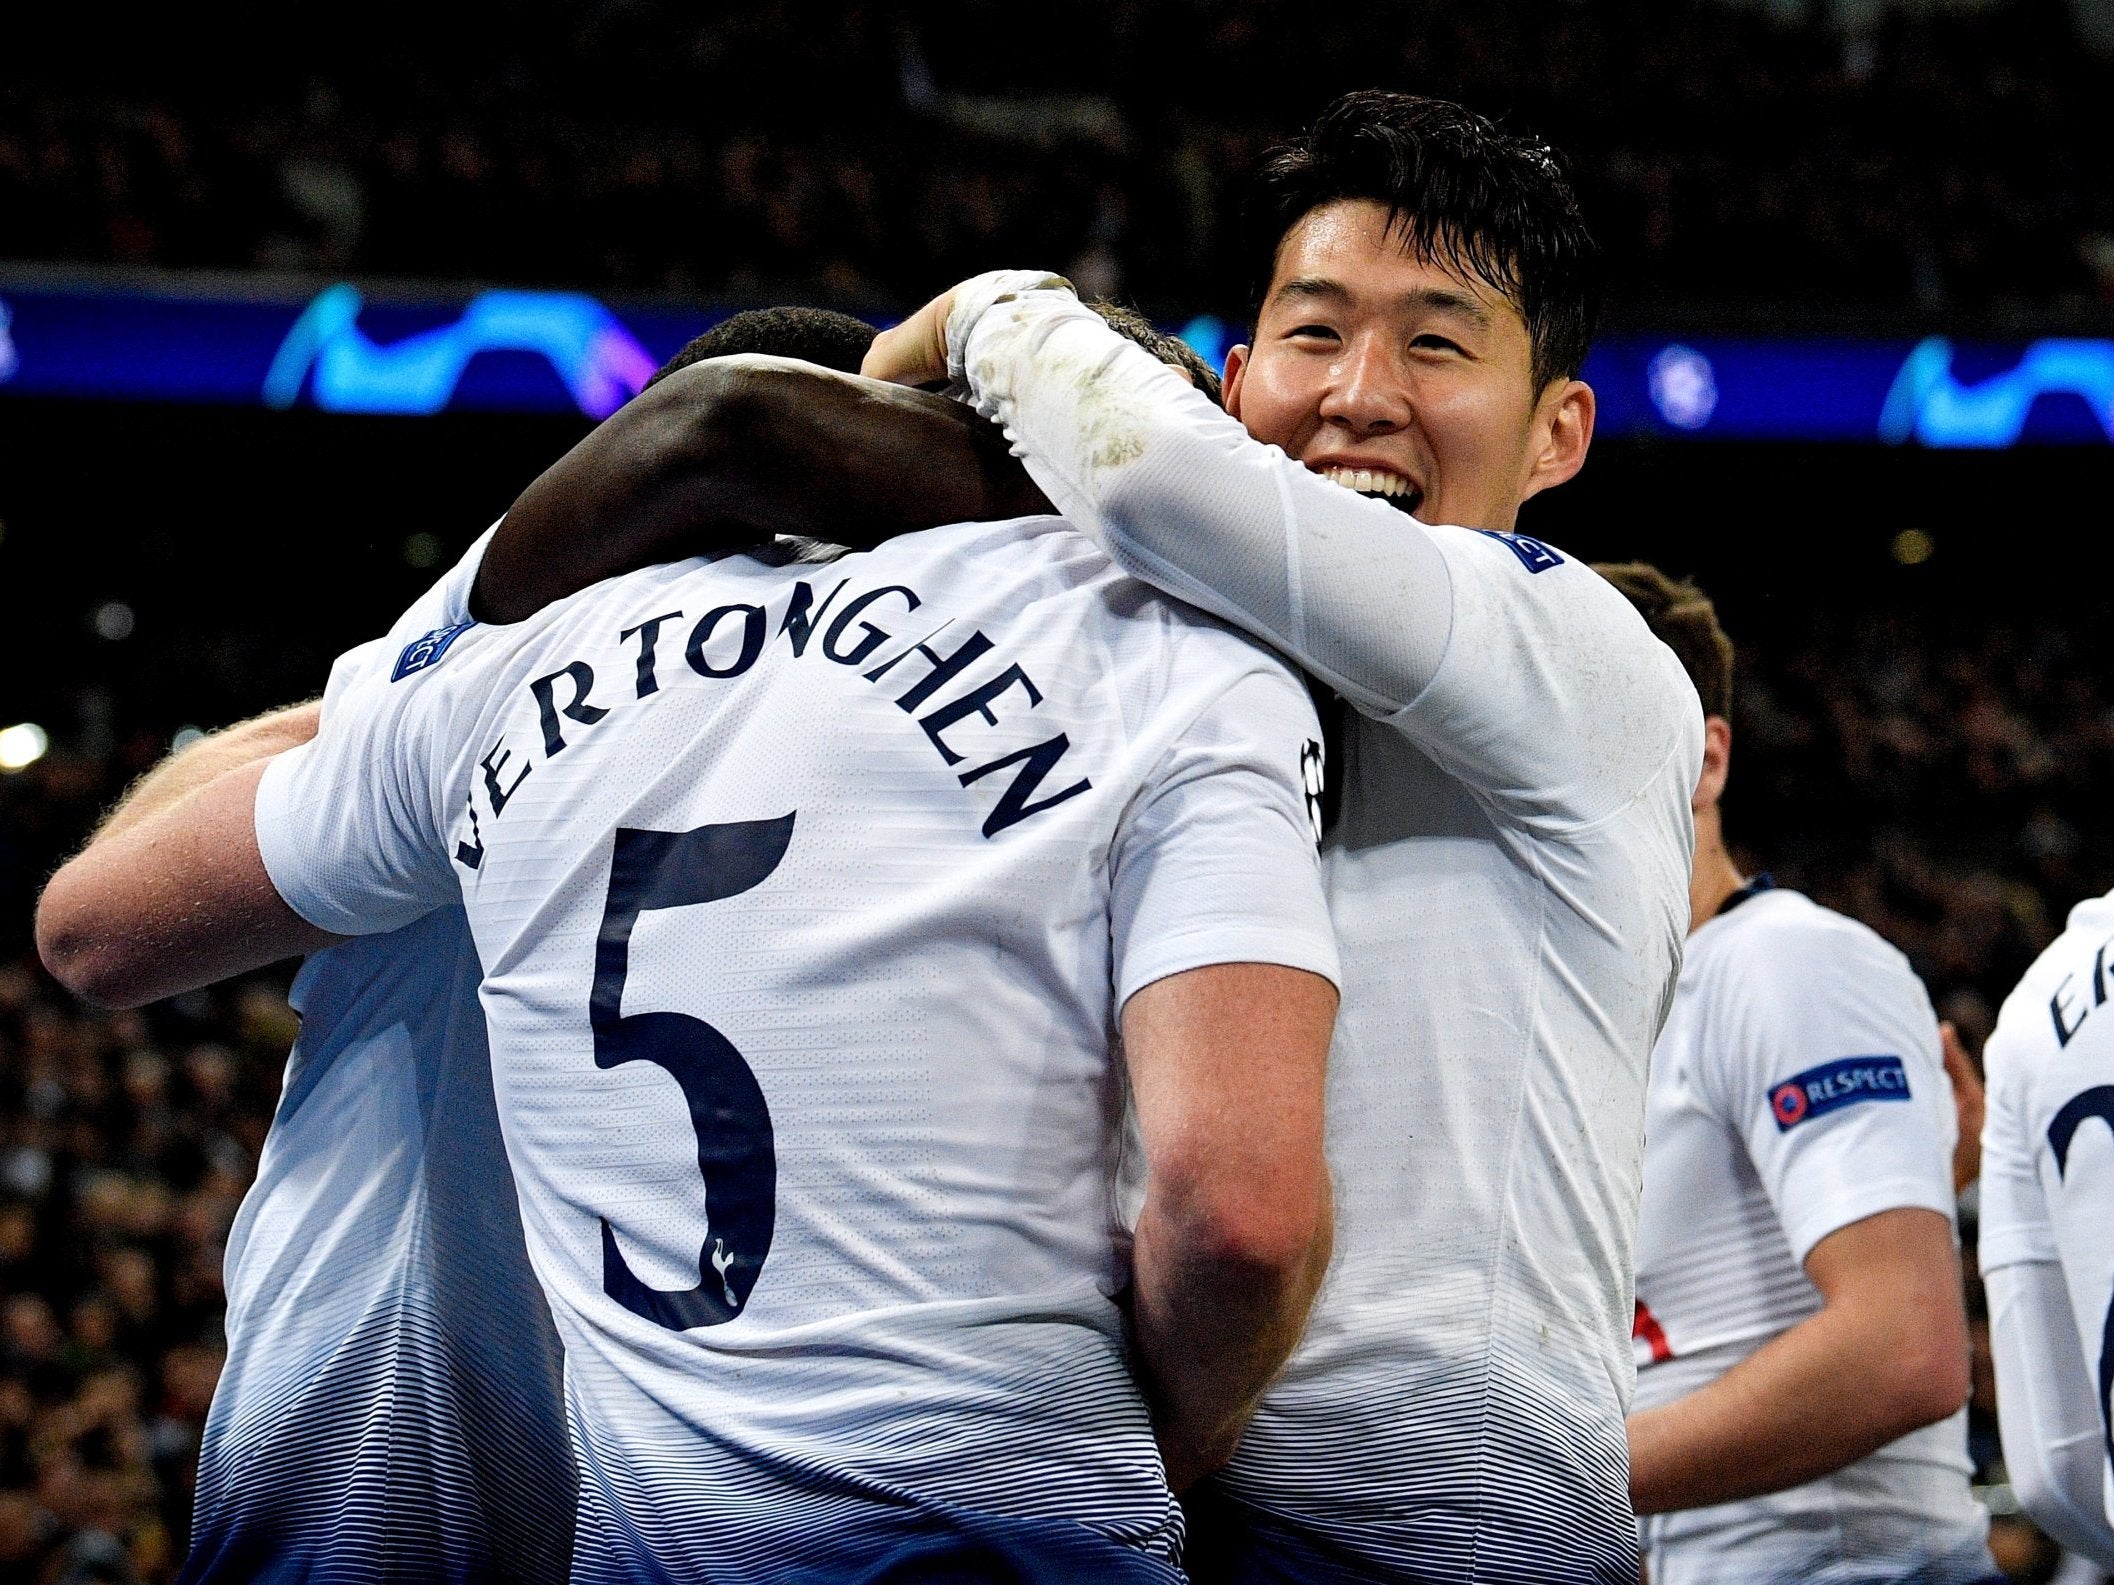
{"x": 343, "y": 349}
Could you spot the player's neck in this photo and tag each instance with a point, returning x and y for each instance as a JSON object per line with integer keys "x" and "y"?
{"x": 1714, "y": 877}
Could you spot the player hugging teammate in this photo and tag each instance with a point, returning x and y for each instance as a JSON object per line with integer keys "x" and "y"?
{"x": 807, "y": 900}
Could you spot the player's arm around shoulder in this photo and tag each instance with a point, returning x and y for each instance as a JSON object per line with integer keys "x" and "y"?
{"x": 287, "y": 846}
{"x": 170, "y": 897}
{"x": 1825, "y": 1058}
{"x": 729, "y": 452}
{"x": 1226, "y": 975}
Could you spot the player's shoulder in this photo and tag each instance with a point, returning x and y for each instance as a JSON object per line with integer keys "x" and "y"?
{"x": 1776, "y": 937}
{"x": 1045, "y": 559}
{"x": 1009, "y": 552}
{"x": 2066, "y": 991}
{"x": 1587, "y": 640}
{"x": 1521, "y": 568}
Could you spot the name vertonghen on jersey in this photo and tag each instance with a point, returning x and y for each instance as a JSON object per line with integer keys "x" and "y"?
{"x": 728, "y": 640}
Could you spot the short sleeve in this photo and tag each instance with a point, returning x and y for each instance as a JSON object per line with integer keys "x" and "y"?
{"x": 1832, "y": 1077}
{"x": 2015, "y": 1225}
{"x": 1553, "y": 699}
{"x": 443, "y": 607}
{"x": 358, "y": 665}
{"x": 349, "y": 825}
{"x": 1216, "y": 860}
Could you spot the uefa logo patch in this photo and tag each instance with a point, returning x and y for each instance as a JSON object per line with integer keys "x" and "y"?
{"x": 1834, "y": 1085}
{"x": 427, "y": 651}
{"x": 1532, "y": 553}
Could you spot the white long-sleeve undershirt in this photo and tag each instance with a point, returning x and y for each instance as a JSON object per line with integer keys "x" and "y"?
{"x": 2054, "y": 1440}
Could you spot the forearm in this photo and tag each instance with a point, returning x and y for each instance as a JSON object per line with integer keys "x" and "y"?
{"x": 732, "y": 451}
{"x": 1211, "y": 1331}
{"x": 177, "y": 899}
{"x": 191, "y": 768}
{"x": 2054, "y": 1441}
{"x": 1823, "y": 1394}
{"x": 1179, "y": 494}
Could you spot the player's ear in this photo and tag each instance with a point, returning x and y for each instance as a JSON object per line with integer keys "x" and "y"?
{"x": 1230, "y": 382}
{"x": 1563, "y": 430}
{"x": 1717, "y": 763}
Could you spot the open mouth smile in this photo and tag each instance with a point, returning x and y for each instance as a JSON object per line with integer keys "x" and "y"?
{"x": 1393, "y": 488}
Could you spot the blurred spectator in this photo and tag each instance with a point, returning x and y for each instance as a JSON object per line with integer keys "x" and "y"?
{"x": 126, "y": 1140}
{"x": 1940, "y": 161}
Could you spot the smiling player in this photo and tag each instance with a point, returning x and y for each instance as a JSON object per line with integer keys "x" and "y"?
{"x": 1509, "y": 877}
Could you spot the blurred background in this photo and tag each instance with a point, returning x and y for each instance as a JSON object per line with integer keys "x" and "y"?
{"x": 293, "y": 302}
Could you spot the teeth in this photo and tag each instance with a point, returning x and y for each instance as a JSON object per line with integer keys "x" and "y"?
{"x": 1369, "y": 481}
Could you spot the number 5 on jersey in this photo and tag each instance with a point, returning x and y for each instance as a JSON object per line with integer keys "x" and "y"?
{"x": 735, "y": 1151}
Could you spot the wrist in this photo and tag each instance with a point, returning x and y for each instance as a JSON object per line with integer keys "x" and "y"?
{"x": 978, "y": 296}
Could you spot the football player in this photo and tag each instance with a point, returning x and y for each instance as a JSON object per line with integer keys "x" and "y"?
{"x": 1509, "y": 876}
{"x": 807, "y": 900}
{"x": 2046, "y": 1251}
{"x": 1801, "y": 1333}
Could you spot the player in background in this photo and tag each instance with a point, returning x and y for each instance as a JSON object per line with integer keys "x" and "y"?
{"x": 912, "y": 866}
{"x": 1509, "y": 876}
{"x": 2047, "y": 1233}
{"x": 1801, "y": 1335}
{"x": 391, "y": 1404}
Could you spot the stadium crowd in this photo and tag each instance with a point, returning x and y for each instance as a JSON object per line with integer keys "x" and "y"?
{"x": 1939, "y": 790}
{"x": 1936, "y": 782}
{"x": 1940, "y": 162}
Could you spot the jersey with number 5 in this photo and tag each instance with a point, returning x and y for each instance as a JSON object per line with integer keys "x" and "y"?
{"x": 807, "y": 897}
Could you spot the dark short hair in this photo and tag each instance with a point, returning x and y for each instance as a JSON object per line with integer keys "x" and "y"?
{"x": 814, "y": 335}
{"x": 1169, "y": 349}
{"x": 1685, "y": 621}
{"x": 1462, "y": 193}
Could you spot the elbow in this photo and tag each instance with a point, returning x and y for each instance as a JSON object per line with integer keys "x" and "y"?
{"x": 1270, "y": 1228}
{"x": 78, "y": 951}
{"x": 1932, "y": 1379}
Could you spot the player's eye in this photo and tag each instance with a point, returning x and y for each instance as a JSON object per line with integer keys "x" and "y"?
{"x": 1432, "y": 341}
{"x": 1311, "y": 333}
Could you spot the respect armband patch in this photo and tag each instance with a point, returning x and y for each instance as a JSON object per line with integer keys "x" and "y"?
{"x": 1834, "y": 1085}
{"x": 1532, "y": 553}
{"x": 427, "y": 651}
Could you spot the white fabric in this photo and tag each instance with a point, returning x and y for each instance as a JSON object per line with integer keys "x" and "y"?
{"x": 923, "y": 983}
{"x": 2055, "y": 1448}
{"x": 2048, "y": 1184}
{"x": 1509, "y": 886}
{"x": 381, "y": 1318}
{"x": 1772, "y": 992}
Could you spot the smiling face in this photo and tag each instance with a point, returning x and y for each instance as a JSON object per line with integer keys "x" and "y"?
{"x": 1401, "y": 377}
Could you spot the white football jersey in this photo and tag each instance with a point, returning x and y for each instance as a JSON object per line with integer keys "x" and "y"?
{"x": 2048, "y": 1148}
{"x": 1798, "y": 1087}
{"x": 383, "y": 1322}
{"x": 806, "y": 898}
{"x": 1509, "y": 885}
